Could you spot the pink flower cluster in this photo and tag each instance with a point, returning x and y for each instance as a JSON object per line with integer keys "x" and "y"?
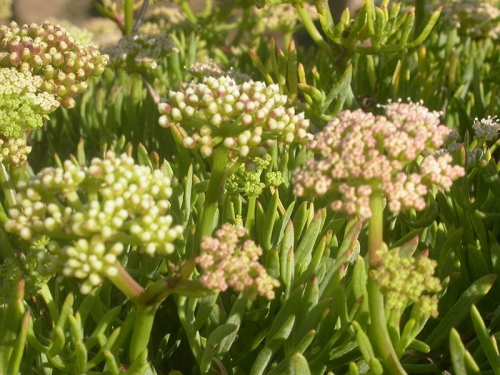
{"x": 231, "y": 261}
{"x": 360, "y": 153}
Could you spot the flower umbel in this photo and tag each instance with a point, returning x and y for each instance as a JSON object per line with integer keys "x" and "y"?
{"x": 94, "y": 214}
{"x": 140, "y": 51}
{"x": 22, "y": 105}
{"x": 245, "y": 118}
{"x": 50, "y": 52}
{"x": 404, "y": 280}
{"x": 228, "y": 260}
{"x": 360, "y": 153}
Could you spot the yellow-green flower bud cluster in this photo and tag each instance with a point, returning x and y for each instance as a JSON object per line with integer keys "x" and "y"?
{"x": 404, "y": 280}
{"x": 140, "y": 51}
{"x": 22, "y": 106}
{"x": 14, "y": 151}
{"x": 247, "y": 179}
{"x": 92, "y": 214}
{"x": 246, "y": 118}
{"x": 51, "y": 53}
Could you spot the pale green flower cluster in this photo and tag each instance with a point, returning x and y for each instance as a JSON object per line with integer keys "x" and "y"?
{"x": 94, "y": 214}
{"x": 248, "y": 178}
{"x": 22, "y": 105}
{"x": 404, "y": 280}
{"x": 53, "y": 54}
{"x": 245, "y": 118}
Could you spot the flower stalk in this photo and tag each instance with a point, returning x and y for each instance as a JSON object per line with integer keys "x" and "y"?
{"x": 215, "y": 185}
{"x": 379, "y": 330}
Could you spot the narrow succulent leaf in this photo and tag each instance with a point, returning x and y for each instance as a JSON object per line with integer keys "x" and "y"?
{"x": 364, "y": 343}
{"x": 309, "y": 300}
{"x": 80, "y": 358}
{"x": 427, "y": 29}
{"x": 11, "y": 321}
{"x": 282, "y": 73}
{"x": 288, "y": 309}
{"x": 313, "y": 319}
{"x": 281, "y": 334}
{"x": 407, "y": 28}
{"x": 272, "y": 263}
{"x": 105, "y": 321}
{"x": 459, "y": 311}
{"x": 58, "y": 341}
{"x": 292, "y": 79}
{"x": 375, "y": 366}
{"x": 488, "y": 343}
{"x": 339, "y": 92}
{"x": 205, "y": 306}
{"x": 269, "y": 221}
{"x": 306, "y": 245}
{"x": 260, "y": 66}
{"x": 261, "y": 362}
{"x": 285, "y": 221}
{"x": 298, "y": 365}
{"x": 235, "y": 319}
{"x": 186, "y": 197}
{"x": 213, "y": 342}
{"x": 300, "y": 220}
{"x": 143, "y": 156}
{"x": 19, "y": 346}
{"x": 419, "y": 346}
{"x": 111, "y": 363}
{"x": 317, "y": 256}
{"x": 139, "y": 366}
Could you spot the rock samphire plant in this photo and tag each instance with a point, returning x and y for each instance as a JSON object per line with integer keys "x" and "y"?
{"x": 205, "y": 198}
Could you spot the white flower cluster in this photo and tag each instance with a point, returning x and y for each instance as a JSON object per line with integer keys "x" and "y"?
{"x": 93, "y": 214}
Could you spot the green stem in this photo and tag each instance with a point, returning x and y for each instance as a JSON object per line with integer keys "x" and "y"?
{"x": 375, "y": 298}
{"x": 142, "y": 330}
{"x": 7, "y": 187}
{"x": 215, "y": 185}
{"x": 127, "y": 285}
{"x": 128, "y": 9}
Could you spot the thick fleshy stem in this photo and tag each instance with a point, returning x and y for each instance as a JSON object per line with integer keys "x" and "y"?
{"x": 142, "y": 330}
{"x": 128, "y": 8}
{"x": 127, "y": 285}
{"x": 375, "y": 298}
{"x": 7, "y": 187}
{"x": 215, "y": 185}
